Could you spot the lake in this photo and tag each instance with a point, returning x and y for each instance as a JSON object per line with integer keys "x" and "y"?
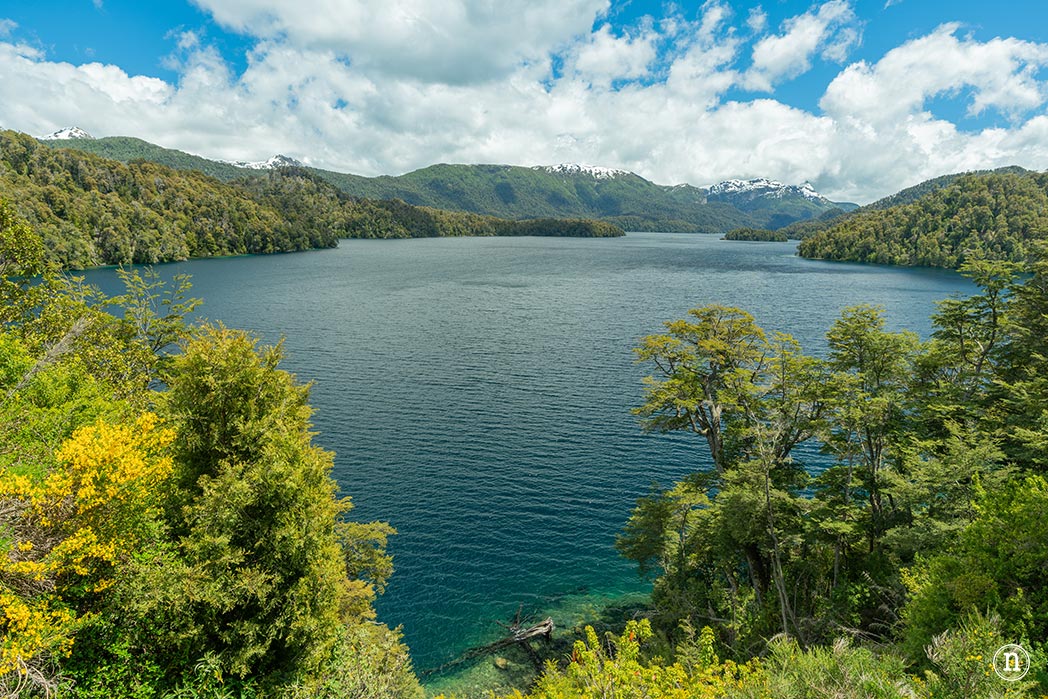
{"x": 477, "y": 392}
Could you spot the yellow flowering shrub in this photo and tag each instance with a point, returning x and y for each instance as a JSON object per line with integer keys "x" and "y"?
{"x": 67, "y": 533}
{"x": 617, "y": 669}
{"x": 32, "y": 626}
{"x": 107, "y": 487}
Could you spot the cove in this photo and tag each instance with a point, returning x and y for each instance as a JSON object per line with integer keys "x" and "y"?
{"x": 477, "y": 392}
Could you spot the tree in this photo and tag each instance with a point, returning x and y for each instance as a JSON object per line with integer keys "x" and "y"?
{"x": 256, "y": 517}
{"x": 724, "y": 540}
{"x": 996, "y": 563}
{"x": 869, "y": 421}
{"x": 955, "y": 372}
{"x": 21, "y": 259}
{"x": 696, "y": 362}
{"x": 1018, "y": 414}
{"x": 70, "y": 534}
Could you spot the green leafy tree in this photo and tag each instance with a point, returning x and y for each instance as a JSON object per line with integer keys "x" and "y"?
{"x": 1018, "y": 412}
{"x": 203, "y": 553}
{"x": 21, "y": 258}
{"x": 870, "y": 422}
{"x": 256, "y": 512}
{"x": 730, "y": 543}
{"x": 697, "y": 361}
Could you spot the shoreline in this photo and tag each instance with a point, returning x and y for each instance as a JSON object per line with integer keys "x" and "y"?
{"x": 511, "y": 669}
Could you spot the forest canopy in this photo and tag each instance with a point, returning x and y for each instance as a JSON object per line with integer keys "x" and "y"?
{"x": 994, "y": 216}
{"x": 756, "y": 234}
{"x": 93, "y": 211}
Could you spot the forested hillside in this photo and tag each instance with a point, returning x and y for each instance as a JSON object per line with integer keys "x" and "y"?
{"x": 306, "y": 200}
{"x": 986, "y": 216}
{"x": 92, "y": 211}
{"x": 622, "y": 198}
{"x": 521, "y": 192}
{"x": 127, "y": 149}
{"x": 912, "y": 194}
{"x": 799, "y": 230}
{"x": 756, "y": 234}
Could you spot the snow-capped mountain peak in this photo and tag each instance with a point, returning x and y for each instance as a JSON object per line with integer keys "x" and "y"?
{"x": 761, "y": 187}
{"x": 277, "y": 161}
{"x": 594, "y": 171}
{"x": 809, "y": 191}
{"x": 66, "y": 134}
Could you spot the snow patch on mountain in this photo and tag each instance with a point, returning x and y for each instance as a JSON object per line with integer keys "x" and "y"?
{"x": 762, "y": 187}
{"x": 277, "y": 161}
{"x": 594, "y": 171}
{"x": 67, "y": 134}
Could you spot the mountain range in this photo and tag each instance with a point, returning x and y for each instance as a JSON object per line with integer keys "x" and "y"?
{"x": 940, "y": 222}
{"x": 515, "y": 192}
{"x": 88, "y": 210}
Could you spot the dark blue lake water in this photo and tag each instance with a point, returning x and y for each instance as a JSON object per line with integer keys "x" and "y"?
{"x": 477, "y": 392}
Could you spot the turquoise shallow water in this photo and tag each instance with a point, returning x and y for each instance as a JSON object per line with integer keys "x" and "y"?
{"x": 477, "y": 392}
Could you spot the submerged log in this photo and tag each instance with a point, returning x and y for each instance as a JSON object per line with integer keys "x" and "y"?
{"x": 543, "y": 629}
{"x": 519, "y": 634}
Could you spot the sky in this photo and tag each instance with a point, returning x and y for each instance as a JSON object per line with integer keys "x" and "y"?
{"x": 859, "y": 97}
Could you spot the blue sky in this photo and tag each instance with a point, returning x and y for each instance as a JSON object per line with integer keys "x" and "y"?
{"x": 860, "y": 97}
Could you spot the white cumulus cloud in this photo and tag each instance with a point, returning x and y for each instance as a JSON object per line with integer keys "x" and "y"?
{"x": 655, "y": 98}
{"x": 455, "y": 41}
{"x": 604, "y": 57}
{"x": 789, "y": 54}
{"x": 1000, "y": 73}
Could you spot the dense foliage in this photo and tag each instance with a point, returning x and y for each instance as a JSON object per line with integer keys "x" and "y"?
{"x": 168, "y": 527}
{"x": 928, "y": 512}
{"x": 994, "y": 216}
{"x": 308, "y": 201}
{"x": 756, "y": 234}
{"x": 127, "y": 149}
{"x": 921, "y": 189}
{"x": 92, "y": 211}
{"x": 623, "y": 667}
{"x": 511, "y": 192}
{"x": 805, "y": 228}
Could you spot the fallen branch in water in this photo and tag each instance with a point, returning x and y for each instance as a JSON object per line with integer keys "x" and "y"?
{"x": 518, "y": 634}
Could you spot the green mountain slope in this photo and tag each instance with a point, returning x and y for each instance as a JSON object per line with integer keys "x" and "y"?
{"x": 523, "y": 192}
{"x": 127, "y": 149}
{"x": 994, "y": 215}
{"x": 91, "y": 210}
{"x": 305, "y": 199}
{"x": 799, "y": 230}
{"x": 912, "y": 194}
{"x": 622, "y": 198}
